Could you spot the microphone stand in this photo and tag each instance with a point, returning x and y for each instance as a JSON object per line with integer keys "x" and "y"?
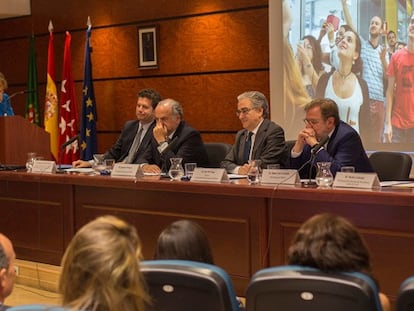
{"x": 310, "y": 183}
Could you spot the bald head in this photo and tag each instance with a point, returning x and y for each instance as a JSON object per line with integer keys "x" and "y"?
{"x": 7, "y": 272}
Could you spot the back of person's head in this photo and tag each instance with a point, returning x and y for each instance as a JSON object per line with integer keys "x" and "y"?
{"x": 7, "y": 272}
{"x": 330, "y": 243}
{"x": 185, "y": 240}
{"x": 152, "y": 95}
{"x": 100, "y": 268}
{"x": 3, "y": 82}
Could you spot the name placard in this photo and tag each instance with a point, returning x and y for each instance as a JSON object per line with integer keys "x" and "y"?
{"x": 280, "y": 176}
{"x": 126, "y": 170}
{"x": 209, "y": 175}
{"x": 356, "y": 180}
{"x": 44, "y": 167}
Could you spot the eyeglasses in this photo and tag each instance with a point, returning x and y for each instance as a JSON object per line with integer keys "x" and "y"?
{"x": 311, "y": 121}
{"x": 243, "y": 111}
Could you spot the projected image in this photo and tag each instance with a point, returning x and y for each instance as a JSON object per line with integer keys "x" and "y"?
{"x": 349, "y": 54}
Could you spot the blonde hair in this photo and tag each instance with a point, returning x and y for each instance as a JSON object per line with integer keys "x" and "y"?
{"x": 100, "y": 268}
{"x": 3, "y": 81}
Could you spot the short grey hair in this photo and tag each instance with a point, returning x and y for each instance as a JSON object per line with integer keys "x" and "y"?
{"x": 258, "y": 101}
{"x": 176, "y": 108}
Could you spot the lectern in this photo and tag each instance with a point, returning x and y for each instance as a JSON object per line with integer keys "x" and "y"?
{"x": 18, "y": 137}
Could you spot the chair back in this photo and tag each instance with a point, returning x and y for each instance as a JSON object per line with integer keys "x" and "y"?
{"x": 290, "y": 144}
{"x": 216, "y": 153}
{"x": 405, "y": 299}
{"x": 296, "y": 288}
{"x": 391, "y": 165}
{"x": 188, "y": 286}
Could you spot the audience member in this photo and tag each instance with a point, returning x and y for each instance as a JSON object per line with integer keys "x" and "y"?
{"x": 373, "y": 71}
{"x": 392, "y": 44}
{"x": 100, "y": 268}
{"x": 5, "y": 106}
{"x": 345, "y": 86}
{"x": 136, "y": 136}
{"x": 184, "y": 240}
{"x": 343, "y": 148}
{"x": 400, "y": 113}
{"x": 332, "y": 244}
{"x": 309, "y": 59}
{"x": 173, "y": 138}
{"x": 260, "y": 139}
{"x": 7, "y": 272}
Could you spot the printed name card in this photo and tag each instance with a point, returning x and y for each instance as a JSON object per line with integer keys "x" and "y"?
{"x": 209, "y": 175}
{"x": 126, "y": 170}
{"x": 44, "y": 167}
{"x": 278, "y": 176}
{"x": 356, "y": 180}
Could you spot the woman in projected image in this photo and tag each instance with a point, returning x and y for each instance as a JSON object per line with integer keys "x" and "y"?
{"x": 309, "y": 59}
{"x": 344, "y": 84}
{"x": 296, "y": 96}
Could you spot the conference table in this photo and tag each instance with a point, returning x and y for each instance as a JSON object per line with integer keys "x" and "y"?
{"x": 249, "y": 227}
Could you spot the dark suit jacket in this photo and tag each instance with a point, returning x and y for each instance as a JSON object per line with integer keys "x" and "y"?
{"x": 120, "y": 149}
{"x": 186, "y": 143}
{"x": 269, "y": 147}
{"x": 344, "y": 149}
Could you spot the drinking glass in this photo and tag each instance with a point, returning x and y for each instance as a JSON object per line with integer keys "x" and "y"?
{"x": 31, "y": 157}
{"x": 189, "y": 169}
{"x": 254, "y": 172}
{"x": 98, "y": 163}
{"x": 273, "y": 166}
{"x": 109, "y": 164}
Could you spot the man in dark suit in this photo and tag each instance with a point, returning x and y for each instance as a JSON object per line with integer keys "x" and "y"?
{"x": 342, "y": 148}
{"x": 7, "y": 272}
{"x": 261, "y": 139}
{"x": 173, "y": 138}
{"x": 136, "y": 136}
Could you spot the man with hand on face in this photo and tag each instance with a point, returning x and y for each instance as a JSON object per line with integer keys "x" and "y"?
{"x": 260, "y": 139}
{"x": 7, "y": 272}
{"x": 342, "y": 147}
{"x": 136, "y": 136}
{"x": 173, "y": 138}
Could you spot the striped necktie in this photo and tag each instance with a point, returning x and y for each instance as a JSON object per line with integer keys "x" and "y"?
{"x": 134, "y": 147}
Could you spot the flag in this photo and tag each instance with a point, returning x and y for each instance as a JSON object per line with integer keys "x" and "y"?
{"x": 89, "y": 116}
{"x": 68, "y": 110}
{"x": 32, "y": 102}
{"x": 51, "y": 101}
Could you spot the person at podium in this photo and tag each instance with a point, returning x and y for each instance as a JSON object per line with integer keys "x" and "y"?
{"x": 136, "y": 136}
{"x": 5, "y": 106}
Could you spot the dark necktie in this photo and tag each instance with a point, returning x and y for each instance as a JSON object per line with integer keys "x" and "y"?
{"x": 134, "y": 147}
{"x": 247, "y": 147}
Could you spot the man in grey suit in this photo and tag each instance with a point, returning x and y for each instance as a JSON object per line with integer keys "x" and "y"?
{"x": 260, "y": 139}
{"x": 136, "y": 136}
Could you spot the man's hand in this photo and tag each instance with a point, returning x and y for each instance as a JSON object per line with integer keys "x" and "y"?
{"x": 80, "y": 163}
{"x": 160, "y": 132}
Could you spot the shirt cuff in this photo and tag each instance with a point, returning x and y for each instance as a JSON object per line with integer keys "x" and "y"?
{"x": 162, "y": 147}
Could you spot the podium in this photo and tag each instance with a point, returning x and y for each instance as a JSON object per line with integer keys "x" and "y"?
{"x": 18, "y": 137}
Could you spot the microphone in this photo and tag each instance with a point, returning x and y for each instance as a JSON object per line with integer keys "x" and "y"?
{"x": 21, "y": 92}
{"x": 68, "y": 142}
{"x": 319, "y": 145}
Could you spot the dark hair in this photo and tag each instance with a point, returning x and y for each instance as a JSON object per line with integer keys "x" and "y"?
{"x": 152, "y": 95}
{"x": 186, "y": 240}
{"x": 328, "y": 108}
{"x": 317, "y": 53}
{"x": 330, "y": 243}
{"x": 357, "y": 65}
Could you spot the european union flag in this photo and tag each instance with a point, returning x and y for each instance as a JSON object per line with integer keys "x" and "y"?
{"x": 89, "y": 116}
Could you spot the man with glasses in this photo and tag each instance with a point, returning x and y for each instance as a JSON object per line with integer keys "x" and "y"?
{"x": 173, "y": 138}
{"x": 342, "y": 147}
{"x": 7, "y": 272}
{"x": 260, "y": 139}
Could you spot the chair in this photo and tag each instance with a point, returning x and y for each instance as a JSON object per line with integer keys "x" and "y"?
{"x": 188, "y": 286}
{"x": 296, "y": 288}
{"x": 290, "y": 144}
{"x": 216, "y": 153}
{"x": 391, "y": 165}
{"x": 405, "y": 299}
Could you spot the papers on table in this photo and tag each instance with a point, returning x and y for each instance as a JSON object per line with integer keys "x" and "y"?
{"x": 79, "y": 170}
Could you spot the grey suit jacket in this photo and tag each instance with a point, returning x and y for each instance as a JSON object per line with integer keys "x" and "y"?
{"x": 269, "y": 147}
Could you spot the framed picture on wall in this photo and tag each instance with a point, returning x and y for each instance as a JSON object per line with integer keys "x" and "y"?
{"x": 147, "y": 47}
